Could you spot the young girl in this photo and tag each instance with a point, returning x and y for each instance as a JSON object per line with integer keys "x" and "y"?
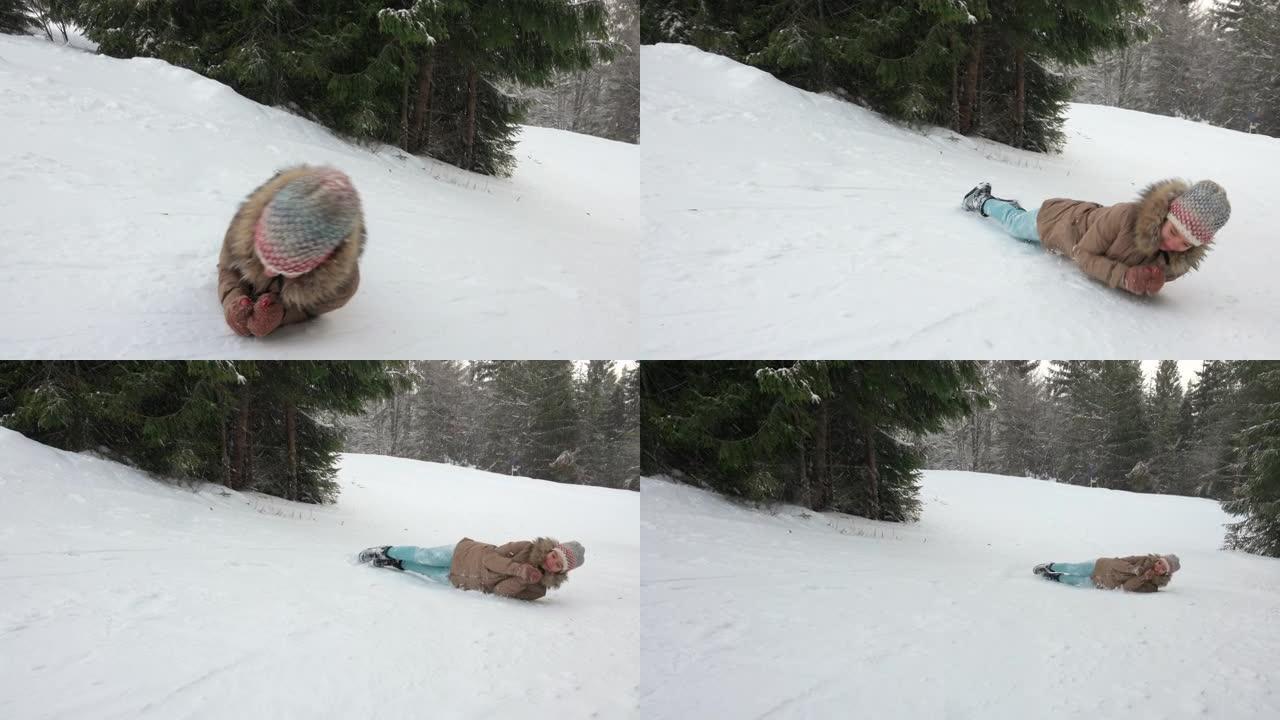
{"x": 1136, "y": 573}
{"x": 1135, "y": 245}
{"x": 522, "y": 570}
{"x": 291, "y": 251}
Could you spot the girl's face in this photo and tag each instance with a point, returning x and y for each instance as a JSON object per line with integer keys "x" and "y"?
{"x": 1162, "y": 567}
{"x": 552, "y": 563}
{"x": 1171, "y": 240}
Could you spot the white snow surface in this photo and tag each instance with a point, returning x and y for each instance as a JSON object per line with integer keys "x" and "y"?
{"x": 121, "y": 176}
{"x": 795, "y": 614}
{"x": 121, "y": 597}
{"x": 780, "y": 222}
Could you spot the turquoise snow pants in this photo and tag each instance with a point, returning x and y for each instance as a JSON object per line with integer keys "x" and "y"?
{"x": 1078, "y": 574}
{"x": 431, "y": 563}
{"x": 1017, "y": 222}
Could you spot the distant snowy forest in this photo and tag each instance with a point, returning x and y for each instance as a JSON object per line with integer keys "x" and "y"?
{"x": 1218, "y": 62}
{"x": 552, "y": 420}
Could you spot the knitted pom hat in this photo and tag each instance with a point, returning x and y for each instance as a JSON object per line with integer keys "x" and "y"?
{"x": 306, "y": 221}
{"x": 572, "y": 554}
{"x": 1200, "y": 212}
{"x": 1173, "y": 561}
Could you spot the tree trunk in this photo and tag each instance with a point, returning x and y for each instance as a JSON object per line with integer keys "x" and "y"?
{"x": 955, "y": 96}
{"x": 826, "y": 493}
{"x": 969, "y": 104}
{"x": 291, "y": 429}
{"x": 226, "y": 452}
{"x": 242, "y": 442}
{"x": 802, "y": 495}
{"x": 404, "y": 111}
{"x": 422, "y": 104}
{"x": 873, "y": 473}
{"x": 1019, "y": 95}
{"x": 473, "y": 77}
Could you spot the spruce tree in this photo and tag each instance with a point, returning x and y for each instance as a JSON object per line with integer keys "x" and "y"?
{"x": 1165, "y": 408}
{"x": 1126, "y": 439}
{"x": 15, "y": 18}
{"x": 1257, "y": 499}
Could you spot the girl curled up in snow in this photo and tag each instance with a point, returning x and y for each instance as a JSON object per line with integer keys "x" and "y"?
{"x": 1135, "y": 245}
{"x": 1136, "y": 573}
{"x": 522, "y": 570}
{"x": 291, "y": 251}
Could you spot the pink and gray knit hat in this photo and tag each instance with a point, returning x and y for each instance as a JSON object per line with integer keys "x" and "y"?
{"x": 1200, "y": 212}
{"x": 571, "y": 553}
{"x": 306, "y": 221}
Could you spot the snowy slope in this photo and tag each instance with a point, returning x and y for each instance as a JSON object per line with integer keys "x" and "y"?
{"x": 779, "y": 615}
{"x": 783, "y": 223}
{"x": 124, "y": 598}
{"x": 119, "y": 178}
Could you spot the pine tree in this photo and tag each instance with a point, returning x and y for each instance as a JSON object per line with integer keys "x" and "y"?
{"x": 831, "y": 434}
{"x": 1164, "y": 410}
{"x": 1215, "y": 420}
{"x": 1020, "y": 444}
{"x": 247, "y": 425}
{"x": 1258, "y": 498}
{"x": 422, "y": 74}
{"x": 15, "y": 18}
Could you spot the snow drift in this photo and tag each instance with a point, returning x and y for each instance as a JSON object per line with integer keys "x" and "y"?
{"x": 795, "y": 614}
{"x": 783, "y": 223}
{"x": 120, "y": 177}
{"x": 121, "y": 597}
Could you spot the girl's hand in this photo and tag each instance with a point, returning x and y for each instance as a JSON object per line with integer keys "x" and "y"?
{"x": 528, "y": 573}
{"x": 268, "y": 312}
{"x": 237, "y": 312}
{"x": 1144, "y": 279}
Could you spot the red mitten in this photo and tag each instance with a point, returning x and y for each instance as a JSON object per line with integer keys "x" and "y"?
{"x": 1155, "y": 279}
{"x": 237, "y": 312}
{"x": 1135, "y": 280}
{"x": 267, "y": 314}
{"x": 528, "y": 573}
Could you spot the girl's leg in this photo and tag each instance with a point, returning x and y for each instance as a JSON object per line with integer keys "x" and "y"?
{"x": 1019, "y": 223}
{"x": 1085, "y": 568}
{"x": 1076, "y": 580}
{"x": 432, "y": 563}
{"x": 441, "y": 556}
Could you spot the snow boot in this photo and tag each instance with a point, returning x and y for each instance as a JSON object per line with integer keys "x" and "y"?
{"x": 974, "y": 200}
{"x": 377, "y": 556}
{"x": 1046, "y": 570}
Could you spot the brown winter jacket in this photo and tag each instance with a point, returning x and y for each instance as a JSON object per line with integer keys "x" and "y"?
{"x": 241, "y": 274}
{"x": 479, "y": 566}
{"x": 1126, "y": 573}
{"x": 1106, "y": 241}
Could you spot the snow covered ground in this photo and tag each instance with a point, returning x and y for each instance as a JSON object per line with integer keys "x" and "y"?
{"x": 120, "y": 177}
{"x": 792, "y": 614}
{"x": 124, "y": 598}
{"x": 783, "y": 223}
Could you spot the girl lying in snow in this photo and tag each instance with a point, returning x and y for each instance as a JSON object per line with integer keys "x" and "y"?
{"x": 1136, "y": 573}
{"x": 522, "y": 570}
{"x": 1135, "y": 245}
{"x": 291, "y": 251}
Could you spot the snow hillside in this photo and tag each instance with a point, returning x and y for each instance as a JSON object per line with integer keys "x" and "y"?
{"x": 793, "y": 614}
{"x": 783, "y": 223}
{"x": 124, "y": 598}
{"x": 121, "y": 176}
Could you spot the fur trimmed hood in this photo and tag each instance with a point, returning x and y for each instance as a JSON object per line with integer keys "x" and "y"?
{"x": 317, "y": 288}
{"x": 542, "y": 546}
{"x": 1153, "y": 208}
